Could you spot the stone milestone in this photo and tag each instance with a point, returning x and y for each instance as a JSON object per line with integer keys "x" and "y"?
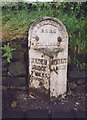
{"x": 48, "y": 55}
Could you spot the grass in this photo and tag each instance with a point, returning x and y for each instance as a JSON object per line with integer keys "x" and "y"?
{"x": 15, "y": 23}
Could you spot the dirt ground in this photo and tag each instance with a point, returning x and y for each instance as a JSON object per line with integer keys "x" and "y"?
{"x": 22, "y": 100}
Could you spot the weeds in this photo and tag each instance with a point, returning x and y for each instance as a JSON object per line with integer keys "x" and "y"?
{"x": 7, "y": 52}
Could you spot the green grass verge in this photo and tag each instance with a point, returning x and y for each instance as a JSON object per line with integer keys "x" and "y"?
{"x": 15, "y": 23}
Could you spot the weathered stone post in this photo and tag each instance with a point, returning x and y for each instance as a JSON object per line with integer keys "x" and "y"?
{"x": 48, "y": 55}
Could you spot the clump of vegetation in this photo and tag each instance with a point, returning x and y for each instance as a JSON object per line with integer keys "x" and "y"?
{"x": 7, "y": 52}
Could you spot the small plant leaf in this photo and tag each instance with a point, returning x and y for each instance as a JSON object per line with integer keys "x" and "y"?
{"x": 8, "y": 60}
{"x": 5, "y": 55}
{"x": 8, "y": 53}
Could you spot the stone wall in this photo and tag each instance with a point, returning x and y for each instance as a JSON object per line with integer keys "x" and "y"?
{"x": 15, "y": 73}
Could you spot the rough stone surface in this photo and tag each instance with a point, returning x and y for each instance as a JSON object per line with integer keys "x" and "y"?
{"x": 4, "y": 63}
{"x": 80, "y": 81}
{"x": 17, "y": 55}
{"x": 4, "y": 67}
{"x": 14, "y": 81}
{"x": 24, "y": 43}
{"x": 77, "y": 74}
{"x": 4, "y": 71}
{"x": 73, "y": 86}
{"x": 17, "y": 68}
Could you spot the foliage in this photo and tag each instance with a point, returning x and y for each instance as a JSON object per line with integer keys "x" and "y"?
{"x": 8, "y": 52}
{"x": 16, "y": 19}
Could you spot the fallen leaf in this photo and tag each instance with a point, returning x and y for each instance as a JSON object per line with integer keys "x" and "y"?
{"x": 13, "y": 104}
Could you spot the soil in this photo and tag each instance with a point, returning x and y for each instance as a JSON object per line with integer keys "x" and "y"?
{"x": 23, "y": 100}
